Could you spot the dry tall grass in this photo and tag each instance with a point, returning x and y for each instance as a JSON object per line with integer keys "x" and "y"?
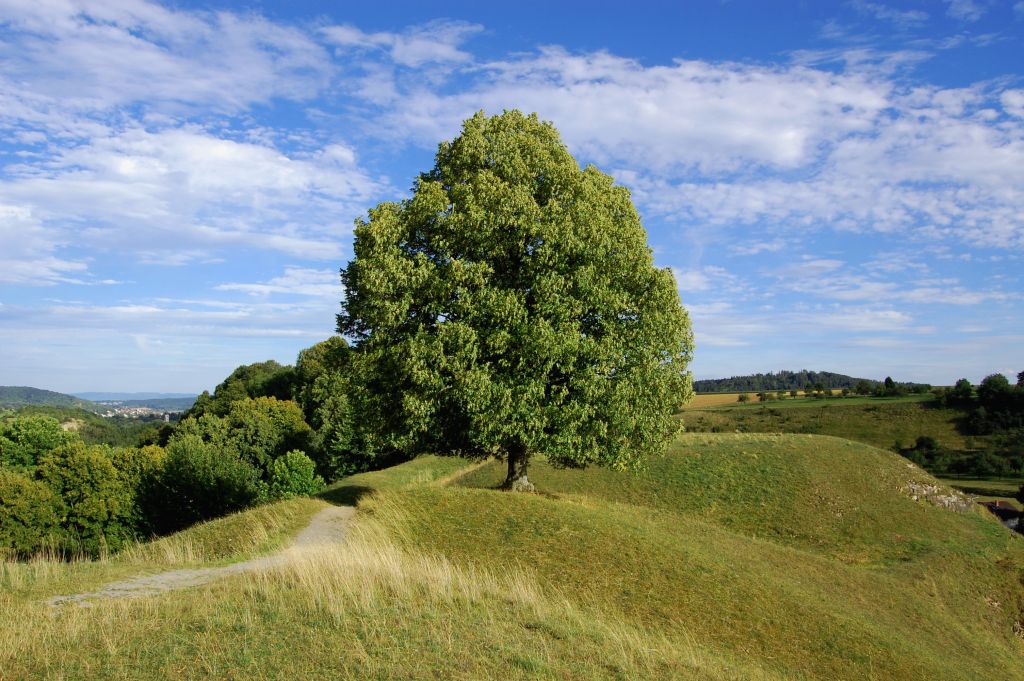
{"x": 366, "y": 609}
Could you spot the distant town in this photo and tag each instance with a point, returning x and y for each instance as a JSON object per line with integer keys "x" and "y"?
{"x": 148, "y": 413}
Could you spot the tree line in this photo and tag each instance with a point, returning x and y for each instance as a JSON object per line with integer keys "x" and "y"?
{"x": 780, "y": 381}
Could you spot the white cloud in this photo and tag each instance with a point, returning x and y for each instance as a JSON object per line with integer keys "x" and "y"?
{"x": 692, "y": 280}
{"x": 707, "y": 278}
{"x": 1013, "y": 101}
{"x": 791, "y": 146}
{"x": 690, "y": 115}
{"x": 965, "y": 10}
{"x": 295, "y": 280}
{"x": 809, "y": 268}
{"x": 937, "y": 166}
{"x": 436, "y": 42}
{"x": 862, "y": 319}
{"x": 884, "y": 12}
{"x": 93, "y": 56}
{"x": 822, "y": 279}
{"x": 27, "y": 251}
{"x": 183, "y": 194}
{"x": 755, "y": 247}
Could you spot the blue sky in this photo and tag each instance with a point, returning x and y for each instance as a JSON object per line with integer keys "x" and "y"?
{"x": 838, "y": 186}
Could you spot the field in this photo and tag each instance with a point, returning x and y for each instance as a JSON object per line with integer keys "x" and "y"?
{"x": 705, "y": 400}
{"x": 881, "y": 422}
{"x": 735, "y": 556}
{"x": 988, "y": 489}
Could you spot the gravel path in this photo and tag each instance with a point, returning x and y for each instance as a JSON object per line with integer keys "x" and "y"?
{"x": 327, "y": 527}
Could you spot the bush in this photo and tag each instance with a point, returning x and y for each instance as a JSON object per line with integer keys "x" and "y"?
{"x": 29, "y": 514}
{"x": 743, "y": 398}
{"x": 293, "y": 474}
{"x": 140, "y": 469}
{"x": 259, "y": 430}
{"x": 24, "y": 439}
{"x": 200, "y": 481}
{"x": 96, "y": 504}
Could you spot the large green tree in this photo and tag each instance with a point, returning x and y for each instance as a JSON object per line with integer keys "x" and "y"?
{"x": 511, "y": 307}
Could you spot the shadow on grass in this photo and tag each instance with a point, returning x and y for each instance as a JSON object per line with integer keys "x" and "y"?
{"x": 982, "y": 491}
{"x": 345, "y": 495}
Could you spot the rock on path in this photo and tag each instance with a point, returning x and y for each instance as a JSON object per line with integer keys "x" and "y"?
{"x": 327, "y": 527}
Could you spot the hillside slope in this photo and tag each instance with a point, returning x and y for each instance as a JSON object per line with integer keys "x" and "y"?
{"x": 24, "y": 396}
{"x": 732, "y": 557}
{"x": 881, "y": 422}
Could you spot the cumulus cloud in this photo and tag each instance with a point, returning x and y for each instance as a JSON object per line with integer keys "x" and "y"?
{"x": 712, "y": 118}
{"x": 94, "y": 56}
{"x": 727, "y": 143}
{"x": 435, "y": 42}
{"x": 188, "y": 194}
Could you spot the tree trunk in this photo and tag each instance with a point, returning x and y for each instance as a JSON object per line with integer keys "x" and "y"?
{"x": 517, "y": 480}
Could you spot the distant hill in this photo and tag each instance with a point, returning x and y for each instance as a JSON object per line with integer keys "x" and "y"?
{"x": 23, "y": 396}
{"x": 132, "y": 397}
{"x": 783, "y": 380}
{"x": 162, "y": 403}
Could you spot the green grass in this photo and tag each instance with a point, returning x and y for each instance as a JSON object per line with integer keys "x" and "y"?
{"x": 732, "y": 557}
{"x": 237, "y": 537}
{"x": 802, "y": 550}
{"x": 423, "y": 470}
{"x": 881, "y": 422}
{"x": 988, "y": 489}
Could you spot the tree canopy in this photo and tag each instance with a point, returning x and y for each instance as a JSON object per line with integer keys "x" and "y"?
{"x": 512, "y": 307}
{"x": 261, "y": 379}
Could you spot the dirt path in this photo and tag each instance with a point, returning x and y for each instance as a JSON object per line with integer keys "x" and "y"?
{"x": 327, "y": 527}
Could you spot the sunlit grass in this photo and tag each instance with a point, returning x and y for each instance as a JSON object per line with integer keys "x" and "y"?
{"x": 732, "y": 557}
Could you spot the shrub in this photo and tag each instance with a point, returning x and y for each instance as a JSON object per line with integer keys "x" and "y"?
{"x": 200, "y": 481}
{"x": 259, "y": 430}
{"x": 743, "y": 398}
{"x": 139, "y": 469}
{"x": 265, "y": 428}
{"x": 29, "y": 514}
{"x": 24, "y": 439}
{"x": 293, "y": 474}
{"x": 96, "y": 503}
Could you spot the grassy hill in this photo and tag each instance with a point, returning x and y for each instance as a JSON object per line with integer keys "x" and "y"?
{"x": 876, "y": 421}
{"x": 12, "y": 396}
{"x": 735, "y": 556}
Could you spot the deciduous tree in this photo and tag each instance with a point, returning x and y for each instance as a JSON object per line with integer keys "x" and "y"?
{"x": 512, "y": 307}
